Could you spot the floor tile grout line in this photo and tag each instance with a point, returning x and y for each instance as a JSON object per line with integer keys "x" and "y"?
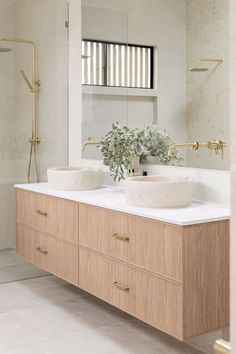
{"x": 23, "y": 279}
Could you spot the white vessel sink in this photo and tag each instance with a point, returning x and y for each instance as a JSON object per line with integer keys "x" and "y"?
{"x": 158, "y": 191}
{"x": 73, "y": 178}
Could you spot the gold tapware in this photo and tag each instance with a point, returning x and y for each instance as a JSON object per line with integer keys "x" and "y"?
{"x": 120, "y": 237}
{"x": 40, "y": 250}
{"x": 120, "y": 286}
{"x": 222, "y": 347}
{"x": 90, "y": 141}
{"x": 216, "y": 145}
{"x": 200, "y": 68}
{"x": 42, "y": 213}
{"x": 33, "y": 85}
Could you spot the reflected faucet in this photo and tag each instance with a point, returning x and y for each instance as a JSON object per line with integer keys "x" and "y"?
{"x": 90, "y": 141}
{"x": 216, "y": 145}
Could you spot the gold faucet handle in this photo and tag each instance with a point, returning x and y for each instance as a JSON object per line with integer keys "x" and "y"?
{"x": 195, "y": 145}
{"x": 217, "y": 146}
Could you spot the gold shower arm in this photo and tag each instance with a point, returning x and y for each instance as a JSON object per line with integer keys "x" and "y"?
{"x": 212, "y": 60}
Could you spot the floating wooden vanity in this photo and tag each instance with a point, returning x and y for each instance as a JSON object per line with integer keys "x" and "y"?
{"x": 173, "y": 277}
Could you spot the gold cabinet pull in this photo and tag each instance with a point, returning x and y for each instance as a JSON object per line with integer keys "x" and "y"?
{"x": 119, "y": 237}
{"x": 120, "y": 286}
{"x": 40, "y": 212}
{"x": 222, "y": 347}
{"x": 40, "y": 250}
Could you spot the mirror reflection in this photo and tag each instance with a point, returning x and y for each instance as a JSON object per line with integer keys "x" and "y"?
{"x": 159, "y": 64}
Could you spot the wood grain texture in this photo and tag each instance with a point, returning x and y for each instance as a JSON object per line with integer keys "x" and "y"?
{"x": 97, "y": 274}
{"x": 150, "y": 298}
{"x": 152, "y": 245}
{"x": 159, "y": 303}
{"x": 61, "y": 218}
{"x": 49, "y": 253}
{"x": 178, "y": 277}
{"x": 25, "y": 243}
{"x": 206, "y": 278}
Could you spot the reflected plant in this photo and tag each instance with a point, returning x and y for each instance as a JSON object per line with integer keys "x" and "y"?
{"x": 156, "y": 142}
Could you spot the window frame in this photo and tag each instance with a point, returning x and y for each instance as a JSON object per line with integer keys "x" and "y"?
{"x": 106, "y": 67}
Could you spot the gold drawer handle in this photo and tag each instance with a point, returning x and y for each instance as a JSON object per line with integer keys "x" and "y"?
{"x": 222, "y": 347}
{"x": 119, "y": 237}
{"x": 39, "y": 249}
{"x": 120, "y": 286}
{"x": 40, "y": 212}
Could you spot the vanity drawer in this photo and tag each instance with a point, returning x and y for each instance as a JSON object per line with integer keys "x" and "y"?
{"x": 152, "y": 245}
{"x": 25, "y": 243}
{"x": 149, "y": 298}
{"x": 159, "y": 303}
{"x": 51, "y": 254}
{"x": 108, "y": 280}
{"x": 48, "y": 214}
{"x": 57, "y": 257}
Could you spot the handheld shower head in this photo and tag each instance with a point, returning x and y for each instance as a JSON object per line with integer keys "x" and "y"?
{"x": 4, "y": 50}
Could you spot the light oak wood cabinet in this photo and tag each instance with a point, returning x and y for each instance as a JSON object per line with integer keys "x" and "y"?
{"x": 49, "y": 253}
{"x": 148, "y": 297}
{"x": 48, "y": 214}
{"x": 152, "y": 245}
{"x": 172, "y": 277}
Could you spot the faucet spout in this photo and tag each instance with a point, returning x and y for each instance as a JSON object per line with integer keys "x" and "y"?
{"x": 194, "y": 146}
{"x": 90, "y": 141}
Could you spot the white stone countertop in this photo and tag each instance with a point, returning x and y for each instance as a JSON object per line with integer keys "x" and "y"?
{"x": 113, "y": 198}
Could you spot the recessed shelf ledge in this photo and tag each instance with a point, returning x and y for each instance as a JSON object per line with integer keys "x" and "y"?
{"x": 118, "y": 91}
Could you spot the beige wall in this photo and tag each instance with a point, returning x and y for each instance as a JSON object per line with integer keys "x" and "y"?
{"x": 43, "y": 22}
{"x": 208, "y": 92}
{"x": 233, "y": 168}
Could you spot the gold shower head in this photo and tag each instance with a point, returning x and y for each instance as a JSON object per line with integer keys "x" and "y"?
{"x": 199, "y": 68}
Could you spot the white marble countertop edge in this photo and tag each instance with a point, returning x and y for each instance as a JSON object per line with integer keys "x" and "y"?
{"x": 113, "y": 198}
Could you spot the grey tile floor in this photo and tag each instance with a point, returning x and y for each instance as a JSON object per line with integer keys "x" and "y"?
{"x": 46, "y": 315}
{"x": 13, "y": 268}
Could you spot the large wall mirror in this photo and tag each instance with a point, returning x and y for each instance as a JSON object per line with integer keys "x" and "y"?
{"x": 157, "y": 62}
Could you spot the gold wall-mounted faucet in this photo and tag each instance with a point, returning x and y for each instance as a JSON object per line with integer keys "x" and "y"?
{"x": 216, "y": 145}
{"x": 90, "y": 141}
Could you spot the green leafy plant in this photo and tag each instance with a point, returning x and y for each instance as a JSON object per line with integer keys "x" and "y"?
{"x": 118, "y": 145}
{"x": 156, "y": 142}
{"x": 121, "y": 143}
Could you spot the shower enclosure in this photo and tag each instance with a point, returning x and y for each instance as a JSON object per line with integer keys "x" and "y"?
{"x": 28, "y": 108}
